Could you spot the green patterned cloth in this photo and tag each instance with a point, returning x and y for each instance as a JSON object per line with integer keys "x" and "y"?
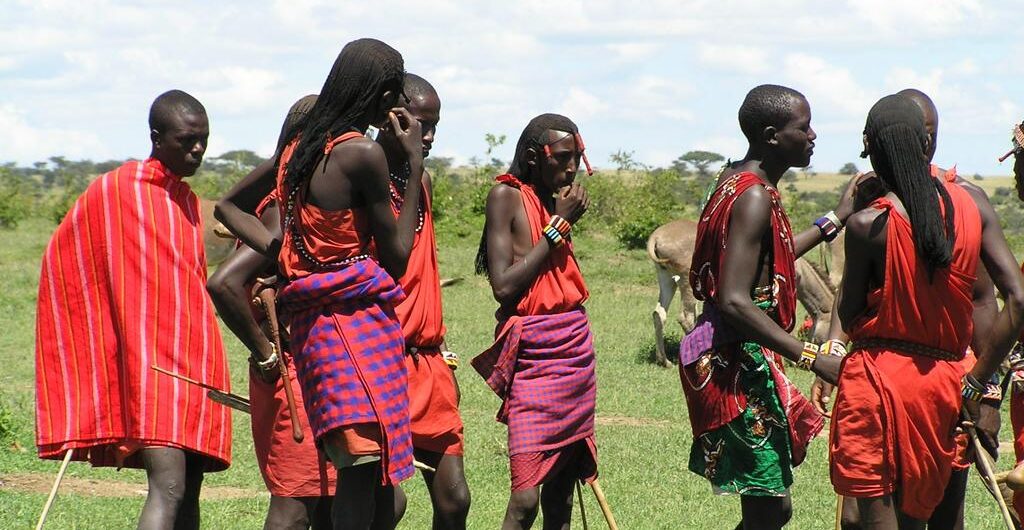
{"x": 749, "y": 455}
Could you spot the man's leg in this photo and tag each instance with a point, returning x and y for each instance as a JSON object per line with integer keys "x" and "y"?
{"x": 188, "y": 511}
{"x": 320, "y": 513}
{"x": 290, "y": 513}
{"x": 880, "y": 513}
{"x": 522, "y": 509}
{"x": 449, "y": 493}
{"x": 949, "y": 514}
{"x": 166, "y": 474}
{"x": 556, "y": 499}
{"x": 390, "y": 507}
{"x": 765, "y": 513}
{"x": 355, "y": 501}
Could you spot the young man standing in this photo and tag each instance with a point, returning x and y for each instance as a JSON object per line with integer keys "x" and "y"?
{"x": 751, "y": 426}
{"x": 122, "y": 292}
{"x": 542, "y": 363}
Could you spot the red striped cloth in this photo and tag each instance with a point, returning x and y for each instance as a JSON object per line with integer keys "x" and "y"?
{"x": 122, "y": 289}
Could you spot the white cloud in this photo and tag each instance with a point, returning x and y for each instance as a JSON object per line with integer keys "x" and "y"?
{"x": 825, "y": 84}
{"x": 908, "y": 17}
{"x": 581, "y": 105}
{"x": 28, "y": 143}
{"x": 750, "y": 60}
{"x": 633, "y": 51}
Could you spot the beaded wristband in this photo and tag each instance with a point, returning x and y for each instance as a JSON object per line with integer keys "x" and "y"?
{"x": 833, "y": 347}
{"x": 557, "y": 230}
{"x": 451, "y": 359}
{"x": 971, "y": 389}
{"x": 553, "y": 235}
{"x": 808, "y": 355}
{"x": 828, "y": 229}
{"x": 831, "y": 216}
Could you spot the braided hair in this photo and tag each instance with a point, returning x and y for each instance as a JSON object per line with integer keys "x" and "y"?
{"x": 898, "y": 142}
{"x": 363, "y": 71}
{"x": 534, "y": 137}
{"x": 296, "y": 113}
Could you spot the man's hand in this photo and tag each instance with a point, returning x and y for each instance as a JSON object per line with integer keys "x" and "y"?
{"x": 827, "y": 367}
{"x": 268, "y": 376}
{"x": 845, "y": 208}
{"x": 572, "y": 202}
{"x": 408, "y": 131}
{"x": 821, "y": 394}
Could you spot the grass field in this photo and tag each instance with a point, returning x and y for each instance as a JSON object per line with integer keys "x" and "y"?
{"x": 643, "y": 434}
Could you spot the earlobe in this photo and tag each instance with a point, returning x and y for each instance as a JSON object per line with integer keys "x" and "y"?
{"x": 769, "y": 136}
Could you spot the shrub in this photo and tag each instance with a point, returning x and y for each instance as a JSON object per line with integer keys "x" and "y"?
{"x": 16, "y": 201}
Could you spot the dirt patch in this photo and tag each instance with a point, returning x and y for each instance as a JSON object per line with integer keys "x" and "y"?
{"x": 629, "y": 421}
{"x": 41, "y": 483}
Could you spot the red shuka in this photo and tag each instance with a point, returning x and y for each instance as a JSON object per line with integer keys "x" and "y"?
{"x": 328, "y": 235}
{"x": 896, "y": 412}
{"x": 123, "y": 289}
{"x": 433, "y": 402}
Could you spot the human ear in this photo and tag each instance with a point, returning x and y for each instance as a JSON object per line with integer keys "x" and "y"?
{"x": 531, "y": 156}
{"x": 769, "y": 135}
{"x": 866, "y": 151}
{"x": 154, "y": 136}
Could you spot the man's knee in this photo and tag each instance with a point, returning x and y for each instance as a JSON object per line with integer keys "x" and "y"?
{"x": 524, "y": 504}
{"x": 168, "y": 487}
{"x": 786, "y": 510}
{"x": 286, "y": 513}
{"x": 453, "y": 501}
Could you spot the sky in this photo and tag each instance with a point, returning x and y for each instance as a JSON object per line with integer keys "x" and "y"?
{"x": 656, "y": 78}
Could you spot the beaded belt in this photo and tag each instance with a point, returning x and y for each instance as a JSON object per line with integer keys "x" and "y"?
{"x": 903, "y": 346}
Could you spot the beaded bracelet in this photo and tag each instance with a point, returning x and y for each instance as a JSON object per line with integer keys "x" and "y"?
{"x": 833, "y": 347}
{"x": 451, "y": 359}
{"x": 971, "y": 389}
{"x": 808, "y": 355}
{"x": 557, "y": 230}
{"x": 829, "y": 228}
{"x": 268, "y": 363}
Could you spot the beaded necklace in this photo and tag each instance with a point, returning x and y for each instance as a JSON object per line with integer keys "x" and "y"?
{"x": 399, "y": 183}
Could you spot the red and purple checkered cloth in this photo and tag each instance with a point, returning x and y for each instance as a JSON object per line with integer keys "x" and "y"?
{"x": 349, "y": 356}
{"x": 542, "y": 367}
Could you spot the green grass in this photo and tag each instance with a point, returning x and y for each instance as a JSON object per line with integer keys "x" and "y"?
{"x": 643, "y": 435}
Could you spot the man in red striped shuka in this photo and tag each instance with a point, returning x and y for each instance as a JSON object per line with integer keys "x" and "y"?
{"x": 122, "y": 291}
{"x": 542, "y": 363}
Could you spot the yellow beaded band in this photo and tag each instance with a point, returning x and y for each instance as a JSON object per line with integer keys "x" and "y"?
{"x": 451, "y": 359}
{"x": 833, "y": 347}
{"x": 808, "y": 355}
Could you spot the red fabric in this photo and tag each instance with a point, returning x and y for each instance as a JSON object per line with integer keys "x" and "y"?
{"x": 420, "y": 313}
{"x": 529, "y": 470}
{"x": 713, "y": 233}
{"x": 433, "y": 404}
{"x": 1017, "y": 422}
{"x": 895, "y": 412}
{"x": 712, "y": 398}
{"x": 559, "y": 287}
{"x": 123, "y": 289}
{"x": 289, "y": 469}
{"x": 329, "y": 235}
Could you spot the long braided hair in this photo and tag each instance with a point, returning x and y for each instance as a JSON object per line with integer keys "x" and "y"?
{"x": 533, "y": 137}
{"x": 363, "y": 71}
{"x": 897, "y": 142}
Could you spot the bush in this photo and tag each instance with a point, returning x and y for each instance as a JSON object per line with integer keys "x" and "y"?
{"x": 16, "y": 200}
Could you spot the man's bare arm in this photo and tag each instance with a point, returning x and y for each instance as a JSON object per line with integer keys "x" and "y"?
{"x": 227, "y": 288}
{"x": 1002, "y": 268}
{"x": 509, "y": 278}
{"x": 236, "y": 209}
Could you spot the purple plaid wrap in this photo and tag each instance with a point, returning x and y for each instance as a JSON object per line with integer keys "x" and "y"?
{"x": 349, "y": 352}
{"x": 542, "y": 367}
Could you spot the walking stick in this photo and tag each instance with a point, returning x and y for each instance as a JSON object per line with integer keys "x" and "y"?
{"x": 603, "y": 503}
{"x": 987, "y": 475}
{"x": 53, "y": 491}
{"x": 583, "y": 509}
{"x": 215, "y": 394}
{"x": 267, "y": 298}
{"x": 839, "y": 511}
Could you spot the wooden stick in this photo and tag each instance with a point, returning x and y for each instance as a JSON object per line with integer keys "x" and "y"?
{"x": 988, "y": 476}
{"x": 53, "y": 490}
{"x": 603, "y": 503}
{"x": 839, "y": 511}
{"x": 583, "y": 508}
{"x": 213, "y": 393}
{"x": 268, "y": 299}
{"x": 422, "y": 467}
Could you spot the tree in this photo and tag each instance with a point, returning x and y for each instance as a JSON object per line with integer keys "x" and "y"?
{"x": 624, "y": 161}
{"x": 493, "y": 142}
{"x": 848, "y": 169}
{"x": 700, "y": 160}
